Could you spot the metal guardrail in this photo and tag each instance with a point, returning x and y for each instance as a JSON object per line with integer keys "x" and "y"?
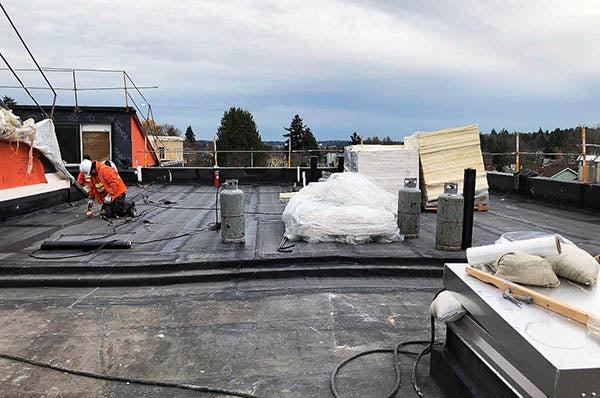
{"x": 274, "y": 158}
{"x": 128, "y": 87}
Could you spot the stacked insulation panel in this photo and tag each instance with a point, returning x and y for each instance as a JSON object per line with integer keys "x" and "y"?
{"x": 444, "y": 155}
{"x": 388, "y": 165}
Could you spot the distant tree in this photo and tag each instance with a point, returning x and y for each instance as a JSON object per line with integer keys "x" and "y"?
{"x": 372, "y": 140}
{"x": 388, "y": 141}
{"x": 189, "y": 135}
{"x": 8, "y": 102}
{"x": 238, "y": 132}
{"x": 152, "y": 128}
{"x": 355, "y": 139}
{"x": 309, "y": 141}
{"x": 295, "y": 133}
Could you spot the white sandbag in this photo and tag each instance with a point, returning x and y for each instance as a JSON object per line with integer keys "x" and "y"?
{"x": 446, "y": 307}
{"x": 543, "y": 246}
{"x": 348, "y": 207}
{"x": 525, "y": 268}
{"x": 576, "y": 265}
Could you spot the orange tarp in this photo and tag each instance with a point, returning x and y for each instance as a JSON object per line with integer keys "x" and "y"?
{"x": 141, "y": 155}
{"x": 13, "y": 166}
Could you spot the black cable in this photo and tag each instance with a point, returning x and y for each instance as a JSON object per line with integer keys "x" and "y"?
{"x": 395, "y": 351}
{"x": 426, "y": 350}
{"x": 206, "y": 208}
{"x": 128, "y": 380}
{"x": 170, "y": 237}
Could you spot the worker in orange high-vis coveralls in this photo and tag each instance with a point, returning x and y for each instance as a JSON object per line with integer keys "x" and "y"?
{"x": 93, "y": 187}
{"x": 109, "y": 183}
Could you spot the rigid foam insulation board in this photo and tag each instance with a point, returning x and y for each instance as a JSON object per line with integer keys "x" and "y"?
{"x": 443, "y": 157}
{"x": 388, "y": 165}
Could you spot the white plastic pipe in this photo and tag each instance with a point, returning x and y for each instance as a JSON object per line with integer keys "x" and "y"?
{"x": 544, "y": 246}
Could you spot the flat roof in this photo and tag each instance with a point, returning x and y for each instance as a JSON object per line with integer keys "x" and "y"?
{"x": 184, "y": 211}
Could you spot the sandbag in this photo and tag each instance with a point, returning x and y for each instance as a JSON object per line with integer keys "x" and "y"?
{"x": 575, "y": 265}
{"x": 446, "y": 307}
{"x": 525, "y": 268}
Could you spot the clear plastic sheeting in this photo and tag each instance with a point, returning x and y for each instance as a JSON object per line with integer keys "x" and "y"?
{"x": 348, "y": 208}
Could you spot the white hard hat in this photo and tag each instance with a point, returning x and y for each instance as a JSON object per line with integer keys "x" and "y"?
{"x": 85, "y": 166}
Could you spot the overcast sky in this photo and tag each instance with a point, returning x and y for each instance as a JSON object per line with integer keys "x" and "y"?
{"x": 377, "y": 67}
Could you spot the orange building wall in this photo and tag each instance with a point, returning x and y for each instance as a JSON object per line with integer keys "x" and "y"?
{"x": 138, "y": 156}
{"x": 13, "y": 166}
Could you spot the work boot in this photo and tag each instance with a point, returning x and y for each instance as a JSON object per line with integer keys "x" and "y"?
{"x": 132, "y": 210}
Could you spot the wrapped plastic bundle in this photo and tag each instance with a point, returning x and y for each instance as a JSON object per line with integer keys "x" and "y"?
{"x": 348, "y": 208}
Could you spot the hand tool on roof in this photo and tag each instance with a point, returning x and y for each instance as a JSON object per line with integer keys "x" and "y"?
{"x": 592, "y": 321}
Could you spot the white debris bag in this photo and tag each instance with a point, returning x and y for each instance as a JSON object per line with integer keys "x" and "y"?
{"x": 347, "y": 208}
{"x": 446, "y": 307}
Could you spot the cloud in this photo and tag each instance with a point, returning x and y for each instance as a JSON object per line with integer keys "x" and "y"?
{"x": 380, "y": 67}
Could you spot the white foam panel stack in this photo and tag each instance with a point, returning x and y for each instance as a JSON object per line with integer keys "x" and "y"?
{"x": 388, "y": 165}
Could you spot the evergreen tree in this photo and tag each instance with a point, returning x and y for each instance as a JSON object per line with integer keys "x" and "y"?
{"x": 388, "y": 141}
{"x": 8, "y": 102}
{"x": 309, "y": 141}
{"x": 355, "y": 139}
{"x": 238, "y": 132}
{"x": 189, "y": 135}
{"x": 301, "y": 136}
{"x": 295, "y": 132}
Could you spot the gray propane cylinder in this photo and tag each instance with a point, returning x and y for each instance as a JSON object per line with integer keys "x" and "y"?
{"x": 409, "y": 208}
{"x": 449, "y": 222}
{"x": 233, "y": 225}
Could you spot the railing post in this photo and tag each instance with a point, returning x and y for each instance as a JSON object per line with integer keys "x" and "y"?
{"x": 517, "y": 152}
{"x": 125, "y": 89}
{"x": 290, "y": 151}
{"x": 215, "y": 147}
{"x": 584, "y": 174}
{"x": 75, "y": 91}
{"x": 251, "y": 159}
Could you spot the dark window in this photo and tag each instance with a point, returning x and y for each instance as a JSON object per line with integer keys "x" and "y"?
{"x": 69, "y": 142}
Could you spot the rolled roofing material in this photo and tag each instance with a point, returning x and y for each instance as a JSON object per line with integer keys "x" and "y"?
{"x": 544, "y": 246}
{"x": 444, "y": 155}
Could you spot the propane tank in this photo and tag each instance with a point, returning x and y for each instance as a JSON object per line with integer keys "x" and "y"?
{"x": 233, "y": 226}
{"x": 409, "y": 208}
{"x": 449, "y": 223}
